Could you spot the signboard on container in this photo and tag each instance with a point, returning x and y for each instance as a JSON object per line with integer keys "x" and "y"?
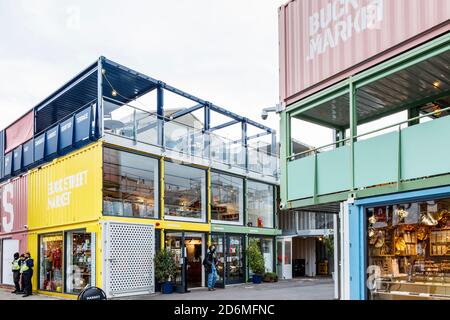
{"x": 19, "y": 132}
{"x": 39, "y": 147}
{"x": 66, "y": 134}
{"x": 324, "y": 41}
{"x": 8, "y": 164}
{"x": 67, "y": 190}
{"x": 51, "y": 141}
{"x": 28, "y": 154}
{"x": 83, "y": 125}
{"x": 17, "y": 158}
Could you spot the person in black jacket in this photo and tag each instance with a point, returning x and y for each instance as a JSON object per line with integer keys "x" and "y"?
{"x": 210, "y": 264}
{"x": 16, "y": 272}
{"x": 26, "y": 269}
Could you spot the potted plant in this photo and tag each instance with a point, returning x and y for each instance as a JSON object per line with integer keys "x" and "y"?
{"x": 329, "y": 247}
{"x": 255, "y": 261}
{"x": 165, "y": 269}
{"x": 270, "y": 277}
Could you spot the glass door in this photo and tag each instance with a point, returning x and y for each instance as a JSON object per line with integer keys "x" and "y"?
{"x": 219, "y": 242}
{"x": 193, "y": 243}
{"x": 235, "y": 259}
{"x": 174, "y": 242}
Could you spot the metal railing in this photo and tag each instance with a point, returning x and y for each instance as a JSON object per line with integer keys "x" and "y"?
{"x": 345, "y": 140}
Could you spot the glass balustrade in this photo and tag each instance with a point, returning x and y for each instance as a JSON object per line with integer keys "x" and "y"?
{"x": 133, "y": 123}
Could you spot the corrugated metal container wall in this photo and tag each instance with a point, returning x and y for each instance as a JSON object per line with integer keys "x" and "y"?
{"x": 14, "y": 210}
{"x": 305, "y": 248}
{"x": 324, "y": 41}
{"x": 69, "y": 190}
{"x": 2, "y": 152}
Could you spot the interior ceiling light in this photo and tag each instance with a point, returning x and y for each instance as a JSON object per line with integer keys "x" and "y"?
{"x": 437, "y": 84}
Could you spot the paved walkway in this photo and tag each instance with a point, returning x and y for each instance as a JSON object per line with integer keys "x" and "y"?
{"x": 296, "y": 289}
{"x": 7, "y": 295}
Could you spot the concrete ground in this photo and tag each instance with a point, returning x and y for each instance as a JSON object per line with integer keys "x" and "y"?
{"x": 5, "y": 294}
{"x": 296, "y": 289}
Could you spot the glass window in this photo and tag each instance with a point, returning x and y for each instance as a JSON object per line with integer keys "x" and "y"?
{"x": 130, "y": 184}
{"x": 79, "y": 261}
{"x": 235, "y": 259}
{"x": 267, "y": 251}
{"x": 51, "y": 262}
{"x": 287, "y": 252}
{"x": 184, "y": 192}
{"x": 408, "y": 247}
{"x": 260, "y": 204}
{"x": 227, "y": 198}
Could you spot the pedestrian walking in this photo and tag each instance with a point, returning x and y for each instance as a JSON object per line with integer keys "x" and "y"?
{"x": 26, "y": 269}
{"x": 210, "y": 264}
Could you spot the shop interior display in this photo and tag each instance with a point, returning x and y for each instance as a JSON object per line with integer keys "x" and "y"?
{"x": 128, "y": 196}
{"x": 52, "y": 262}
{"x": 410, "y": 245}
{"x": 182, "y": 202}
{"x": 81, "y": 261}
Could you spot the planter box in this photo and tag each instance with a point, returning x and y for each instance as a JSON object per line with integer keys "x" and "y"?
{"x": 256, "y": 279}
{"x": 166, "y": 288}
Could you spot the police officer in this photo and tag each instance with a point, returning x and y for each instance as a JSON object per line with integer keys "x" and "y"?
{"x": 16, "y": 272}
{"x": 26, "y": 269}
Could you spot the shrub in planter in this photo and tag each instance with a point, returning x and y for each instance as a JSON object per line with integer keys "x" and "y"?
{"x": 255, "y": 261}
{"x": 165, "y": 269}
{"x": 270, "y": 277}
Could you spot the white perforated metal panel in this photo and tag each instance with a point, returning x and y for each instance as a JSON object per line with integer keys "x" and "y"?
{"x": 128, "y": 258}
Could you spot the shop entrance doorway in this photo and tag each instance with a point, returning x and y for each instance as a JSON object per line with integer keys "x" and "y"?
{"x": 189, "y": 251}
{"x": 230, "y": 255}
{"x": 194, "y": 258}
{"x": 9, "y": 248}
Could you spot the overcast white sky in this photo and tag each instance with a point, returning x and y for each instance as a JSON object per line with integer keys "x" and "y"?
{"x": 223, "y": 51}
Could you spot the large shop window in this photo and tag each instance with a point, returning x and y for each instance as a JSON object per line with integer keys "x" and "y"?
{"x": 76, "y": 266}
{"x": 184, "y": 192}
{"x": 409, "y": 250}
{"x": 51, "y": 262}
{"x": 130, "y": 184}
{"x": 260, "y": 204}
{"x": 227, "y": 198}
{"x": 80, "y": 250}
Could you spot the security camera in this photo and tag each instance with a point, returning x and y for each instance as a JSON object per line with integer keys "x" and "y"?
{"x": 281, "y": 205}
{"x": 264, "y": 114}
{"x": 25, "y": 226}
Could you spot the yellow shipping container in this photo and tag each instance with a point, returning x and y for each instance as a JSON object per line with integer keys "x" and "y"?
{"x": 68, "y": 190}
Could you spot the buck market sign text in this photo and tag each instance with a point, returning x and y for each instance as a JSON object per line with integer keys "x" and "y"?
{"x": 60, "y": 191}
{"x": 339, "y": 21}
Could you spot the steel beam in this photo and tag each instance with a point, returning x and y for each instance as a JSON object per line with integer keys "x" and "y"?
{"x": 160, "y": 114}
{"x": 100, "y": 116}
{"x": 224, "y": 125}
{"x": 186, "y": 111}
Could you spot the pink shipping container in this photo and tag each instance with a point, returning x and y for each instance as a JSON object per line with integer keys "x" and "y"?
{"x": 20, "y": 131}
{"x": 13, "y": 221}
{"x": 325, "y": 41}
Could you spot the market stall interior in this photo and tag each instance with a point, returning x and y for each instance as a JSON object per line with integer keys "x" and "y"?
{"x": 409, "y": 250}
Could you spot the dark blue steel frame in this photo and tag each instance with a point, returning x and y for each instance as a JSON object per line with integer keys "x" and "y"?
{"x": 48, "y": 113}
